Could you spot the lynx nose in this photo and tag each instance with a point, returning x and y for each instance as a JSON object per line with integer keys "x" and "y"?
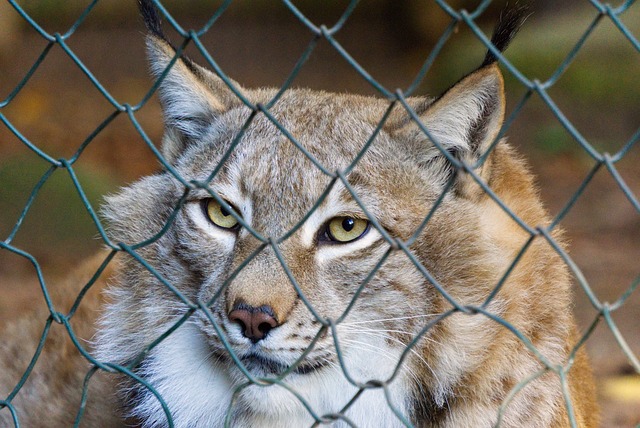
{"x": 254, "y": 322}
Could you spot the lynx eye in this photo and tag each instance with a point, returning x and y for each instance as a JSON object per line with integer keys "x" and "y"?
{"x": 219, "y": 215}
{"x": 346, "y": 229}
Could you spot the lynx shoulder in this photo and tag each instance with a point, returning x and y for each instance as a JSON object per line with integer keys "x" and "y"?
{"x": 338, "y": 269}
{"x": 52, "y": 392}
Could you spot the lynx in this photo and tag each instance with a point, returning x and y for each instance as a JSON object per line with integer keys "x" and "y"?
{"x": 321, "y": 289}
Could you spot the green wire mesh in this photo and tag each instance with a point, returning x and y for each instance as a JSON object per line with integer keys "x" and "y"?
{"x": 397, "y": 97}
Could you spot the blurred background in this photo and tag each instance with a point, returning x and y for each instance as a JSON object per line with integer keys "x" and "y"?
{"x": 258, "y": 43}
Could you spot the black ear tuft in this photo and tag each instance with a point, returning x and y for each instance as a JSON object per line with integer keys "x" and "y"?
{"x": 151, "y": 17}
{"x": 511, "y": 19}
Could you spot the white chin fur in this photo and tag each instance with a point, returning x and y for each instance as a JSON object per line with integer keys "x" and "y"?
{"x": 198, "y": 390}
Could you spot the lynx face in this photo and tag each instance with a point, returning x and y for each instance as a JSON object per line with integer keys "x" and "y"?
{"x": 272, "y": 186}
{"x": 288, "y": 263}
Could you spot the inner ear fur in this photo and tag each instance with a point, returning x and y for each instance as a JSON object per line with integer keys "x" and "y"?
{"x": 192, "y": 97}
{"x": 468, "y": 117}
{"x": 465, "y": 121}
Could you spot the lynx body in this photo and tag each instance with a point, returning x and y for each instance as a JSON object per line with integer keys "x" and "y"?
{"x": 386, "y": 280}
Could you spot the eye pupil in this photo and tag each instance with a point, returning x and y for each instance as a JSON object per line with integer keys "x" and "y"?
{"x": 218, "y": 215}
{"x": 345, "y": 229}
{"x": 348, "y": 223}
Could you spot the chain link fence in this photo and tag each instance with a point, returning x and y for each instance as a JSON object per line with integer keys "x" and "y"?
{"x": 397, "y": 97}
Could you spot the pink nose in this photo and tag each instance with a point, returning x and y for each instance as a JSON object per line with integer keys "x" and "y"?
{"x": 255, "y": 323}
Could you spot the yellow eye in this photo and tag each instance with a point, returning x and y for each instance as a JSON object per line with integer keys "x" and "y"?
{"x": 218, "y": 215}
{"x": 346, "y": 229}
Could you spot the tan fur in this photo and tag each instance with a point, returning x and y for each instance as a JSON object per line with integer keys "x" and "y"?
{"x": 537, "y": 311}
{"x": 462, "y": 368}
{"x": 51, "y": 395}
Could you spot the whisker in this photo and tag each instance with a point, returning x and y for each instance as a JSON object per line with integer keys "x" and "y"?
{"x": 420, "y": 358}
{"x": 388, "y": 319}
{"x": 382, "y": 353}
{"x": 373, "y": 332}
{"x": 380, "y": 333}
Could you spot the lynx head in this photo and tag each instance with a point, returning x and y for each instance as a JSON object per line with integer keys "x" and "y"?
{"x": 294, "y": 224}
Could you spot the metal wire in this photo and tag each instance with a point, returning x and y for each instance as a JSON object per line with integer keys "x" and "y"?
{"x": 397, "y": 98}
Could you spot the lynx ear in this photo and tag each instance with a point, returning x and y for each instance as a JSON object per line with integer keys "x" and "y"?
{"x": 464, "y": 122}
{"x": 467, "y": 118}
{"x": 192, "y": 97}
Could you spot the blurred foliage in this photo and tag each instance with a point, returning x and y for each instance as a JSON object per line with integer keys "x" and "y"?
{"x": 416, "y": 19}
{"x": 56, "y": 10}
{"x": 57, "y": 215}
{"x": 555, "y": 140}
